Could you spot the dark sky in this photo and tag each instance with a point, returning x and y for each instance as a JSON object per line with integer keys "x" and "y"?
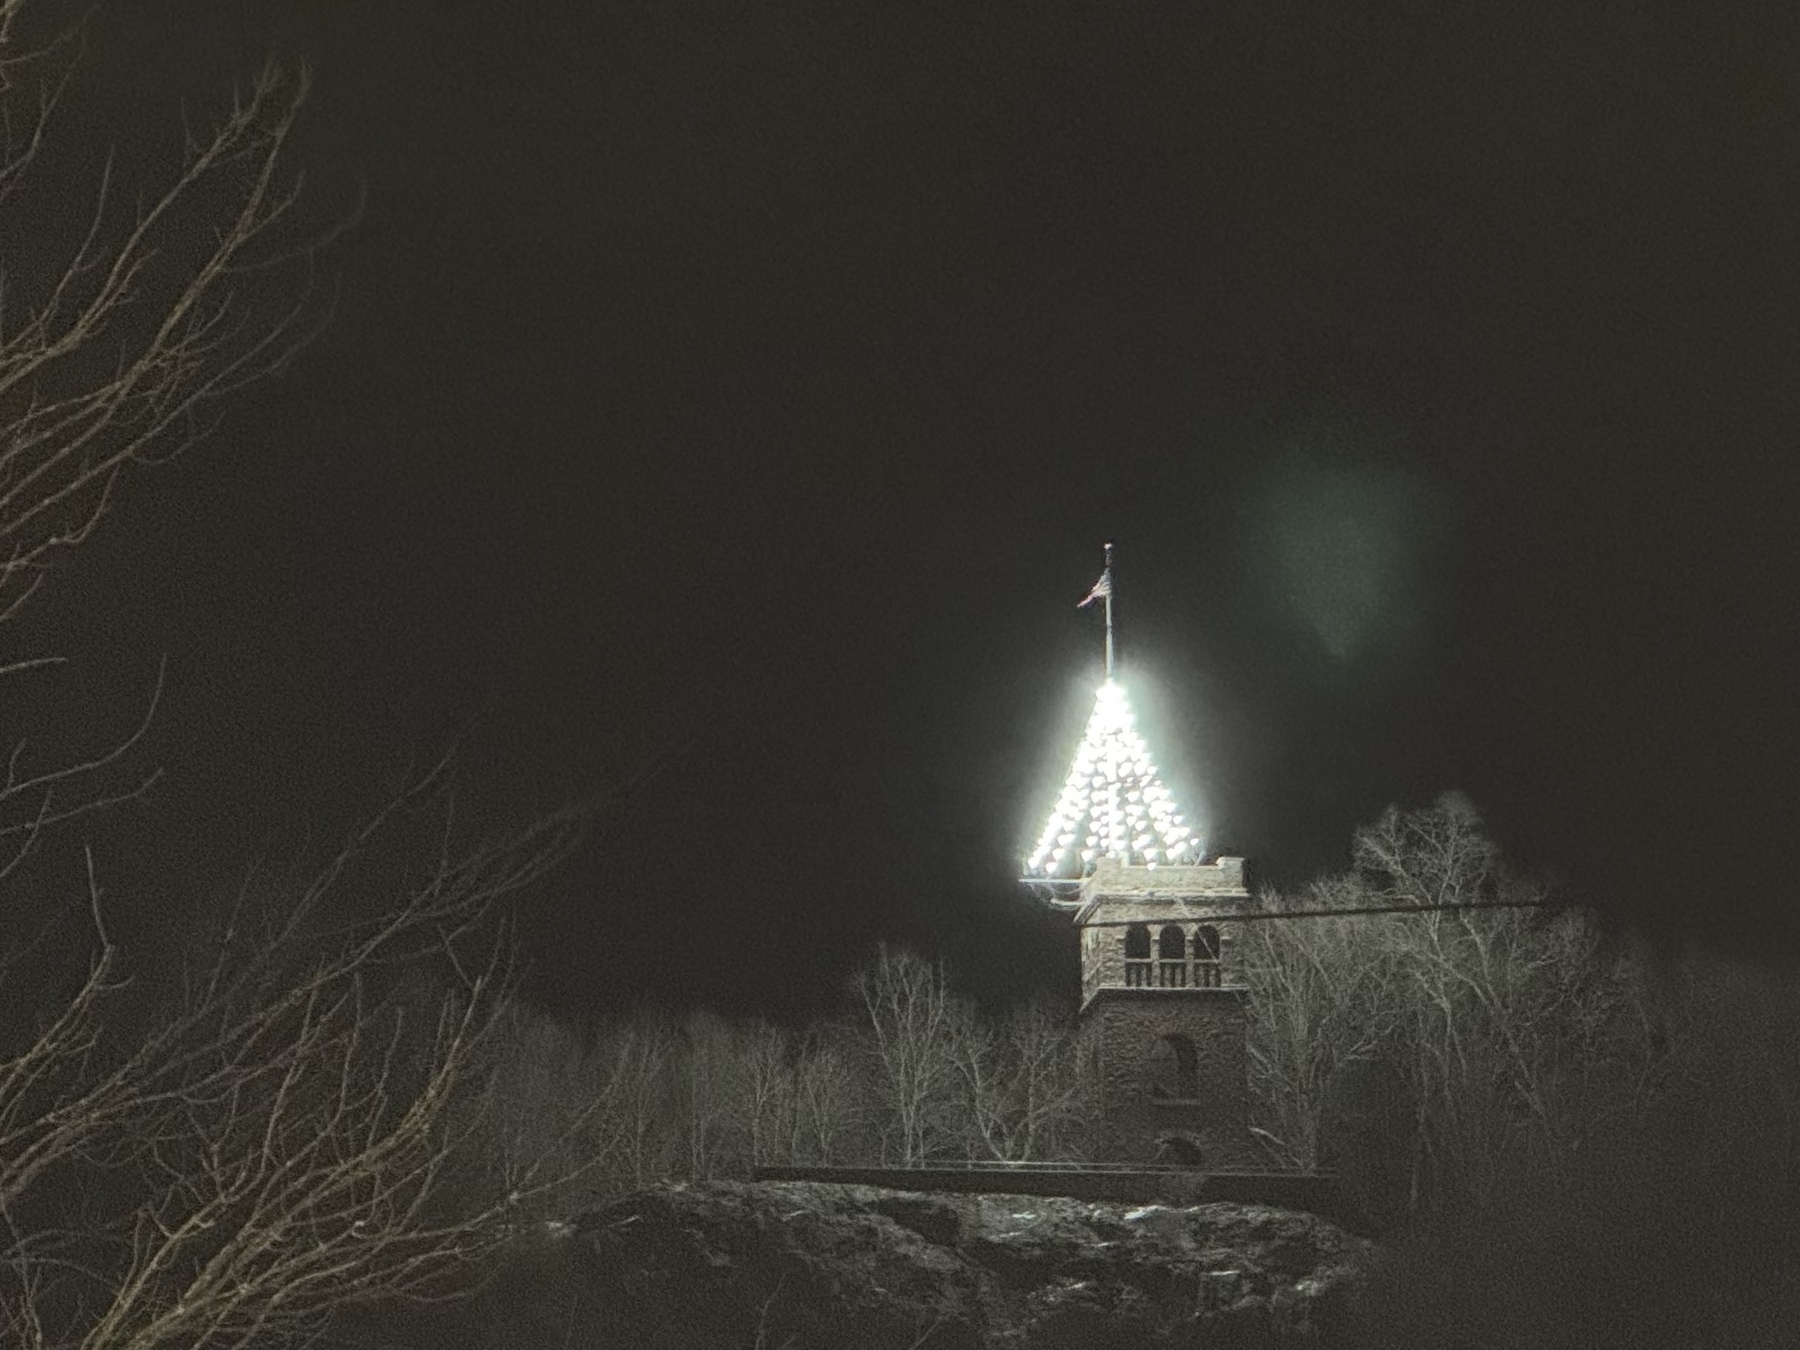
{"x": 751, "y": 387}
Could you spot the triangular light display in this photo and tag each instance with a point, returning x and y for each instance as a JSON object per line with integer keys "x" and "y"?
{"x": 1112, "y": 803}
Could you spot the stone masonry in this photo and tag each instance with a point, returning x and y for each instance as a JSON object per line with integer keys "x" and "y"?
{"x": 1163, "y": 998}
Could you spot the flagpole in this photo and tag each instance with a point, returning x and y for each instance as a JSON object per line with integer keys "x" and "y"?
{"x": 1108, "y": 597}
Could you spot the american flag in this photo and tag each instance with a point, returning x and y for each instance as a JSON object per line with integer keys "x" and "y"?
{"x": 1102, "y": 590}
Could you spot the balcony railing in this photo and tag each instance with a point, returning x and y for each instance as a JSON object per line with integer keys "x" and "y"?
{"x": 1159, "y": 974}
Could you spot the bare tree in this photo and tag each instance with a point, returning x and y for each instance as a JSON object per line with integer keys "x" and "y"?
{"x": 554, "y": 1136}
{"x": 640, "y": 1112}
{"x": 280, "y": 1145}
{"x": 120, "y": 350}
{"x": 648, "y": 1099}
{"x": 712, "y": 1081}
{"x": 1498, "y": 1001}
{"x": 767, "y": 1101}
{"x": 1025, "y": 1091}
{"x": 1515, "y": 1038}
{"x": 910, "y": 1020}
{"x": 1321, "y": 1002}
{"x": 121, "y": 337}
{"x": 612, "y": 1107}
{"x": 277, "y": 1134}
{"x": 823, "y": 1128}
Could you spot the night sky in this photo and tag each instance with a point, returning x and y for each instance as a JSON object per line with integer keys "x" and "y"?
{"x": 727, "y": 403}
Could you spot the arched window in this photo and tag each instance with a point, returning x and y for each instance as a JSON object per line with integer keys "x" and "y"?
{"x": 1207, "y": 968}
{"x": 1171, "y": 958}
{"x": 1176, "y": 1069}
{"x": 1137, "y": 954}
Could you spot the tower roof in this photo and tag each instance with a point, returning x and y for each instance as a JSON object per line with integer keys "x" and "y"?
{"x": 1112, "y": 804}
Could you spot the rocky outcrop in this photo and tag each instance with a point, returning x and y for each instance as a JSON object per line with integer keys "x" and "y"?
{"x": 839, "y": 1267}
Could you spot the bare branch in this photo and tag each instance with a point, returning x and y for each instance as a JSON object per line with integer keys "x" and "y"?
{"x": 280, "y": 1135}
{"x": 124, "y": 355}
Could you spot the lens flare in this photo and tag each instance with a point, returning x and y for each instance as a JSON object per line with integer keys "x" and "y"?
{"x": 1112, "y": 804}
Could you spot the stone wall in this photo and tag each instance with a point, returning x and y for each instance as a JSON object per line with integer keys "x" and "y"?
{"x": 1129, "y": 1026}
{"x": 1113, "y": 876}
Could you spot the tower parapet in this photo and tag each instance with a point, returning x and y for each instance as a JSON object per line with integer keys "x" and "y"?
{"x": 1169, "y": 928}
{"x": 1222, "y": 877}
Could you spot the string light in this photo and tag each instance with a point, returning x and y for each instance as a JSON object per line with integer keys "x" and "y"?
{"x": 1112, "y": 804}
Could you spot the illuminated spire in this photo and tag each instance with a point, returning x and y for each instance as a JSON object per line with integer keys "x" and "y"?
{"x": 1112, "y": 803}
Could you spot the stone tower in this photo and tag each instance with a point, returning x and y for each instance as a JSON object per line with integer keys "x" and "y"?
{"x": 1162, "y": 998}
{"x": 1162, "y": 993}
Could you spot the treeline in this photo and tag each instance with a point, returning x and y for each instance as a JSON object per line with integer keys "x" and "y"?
{"x": 1434, "y": 1057}
{"x": 1458, "y": 1063}
{"x": 1570, "y": 1139}
{"x": 912, "y": 1073}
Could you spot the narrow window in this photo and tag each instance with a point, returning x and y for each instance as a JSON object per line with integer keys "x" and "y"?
{"x": 1171, "y": 958}
{"x": 1207, "y": 970}
{"x": 1137, "y": 954}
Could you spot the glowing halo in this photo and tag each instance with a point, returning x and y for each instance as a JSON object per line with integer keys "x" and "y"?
{"x": 1112, "y": 804}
